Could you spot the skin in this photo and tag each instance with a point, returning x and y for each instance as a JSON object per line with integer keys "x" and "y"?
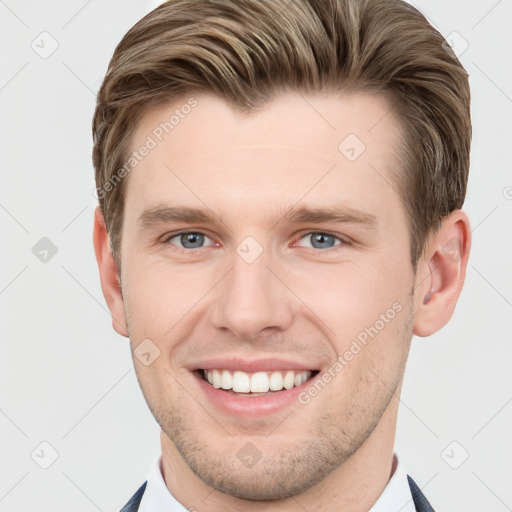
{"x": 296, "y": 300}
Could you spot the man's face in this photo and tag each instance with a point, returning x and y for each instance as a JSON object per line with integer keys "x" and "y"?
{"x": 257, "y": 289}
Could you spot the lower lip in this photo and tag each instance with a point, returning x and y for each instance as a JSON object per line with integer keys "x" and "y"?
{"x": 251, "y": 407}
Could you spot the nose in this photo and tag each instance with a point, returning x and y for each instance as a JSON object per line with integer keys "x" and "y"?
{"x": 253, "y": 298}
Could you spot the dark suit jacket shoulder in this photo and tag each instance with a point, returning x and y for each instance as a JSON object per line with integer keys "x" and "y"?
{"x": 420, "y": 502}
{"x": 133, "y": 504}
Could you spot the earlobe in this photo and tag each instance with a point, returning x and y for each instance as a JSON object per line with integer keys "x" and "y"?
{"x": 444, "y": 265}
{"x": 109, "y": 275}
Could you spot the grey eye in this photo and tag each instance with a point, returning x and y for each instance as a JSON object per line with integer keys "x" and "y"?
{"x": 189, "y": 240}
{"x": 319, "y": 240}
{"x": 192, "y": 240}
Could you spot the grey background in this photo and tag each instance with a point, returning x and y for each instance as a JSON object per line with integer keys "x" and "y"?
{"x": 67, "y": 378}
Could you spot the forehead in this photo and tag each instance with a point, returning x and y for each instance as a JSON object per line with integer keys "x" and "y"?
{"x": 323, "y": 148}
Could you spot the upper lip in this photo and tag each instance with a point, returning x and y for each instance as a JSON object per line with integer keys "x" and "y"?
{"x": 252, "y": 365}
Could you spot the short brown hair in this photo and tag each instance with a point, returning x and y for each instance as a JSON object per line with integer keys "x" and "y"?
{"x": 247, "y": 51}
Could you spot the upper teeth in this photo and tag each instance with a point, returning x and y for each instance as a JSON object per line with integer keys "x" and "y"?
{"x": 259, "y": 382}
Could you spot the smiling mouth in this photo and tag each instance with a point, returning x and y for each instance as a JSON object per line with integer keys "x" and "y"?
{"x": 255, "y": 384}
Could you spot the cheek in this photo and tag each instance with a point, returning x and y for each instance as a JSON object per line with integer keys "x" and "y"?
{"x": 350, "y": 298}
{"x": 158, "y": 295}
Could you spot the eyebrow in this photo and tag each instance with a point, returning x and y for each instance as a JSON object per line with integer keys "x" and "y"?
{"x": 337, "y": 214}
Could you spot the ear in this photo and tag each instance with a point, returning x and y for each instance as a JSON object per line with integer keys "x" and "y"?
{"x": 441, "y": 273}
{"x": 109, "y": 274}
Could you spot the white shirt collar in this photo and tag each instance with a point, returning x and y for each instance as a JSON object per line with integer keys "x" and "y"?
{"x": 396, "y": 496}
{"x": 157, "y": 496}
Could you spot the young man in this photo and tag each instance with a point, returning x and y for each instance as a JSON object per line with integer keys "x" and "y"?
{"x": 280, "y": 186}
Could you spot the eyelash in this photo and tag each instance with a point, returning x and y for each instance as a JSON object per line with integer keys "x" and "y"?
{"x": 174, "y": 235}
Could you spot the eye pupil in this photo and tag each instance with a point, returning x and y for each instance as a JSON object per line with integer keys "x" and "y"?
{"x": 321, "y": 239}
{"x": 195, "y": 239}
